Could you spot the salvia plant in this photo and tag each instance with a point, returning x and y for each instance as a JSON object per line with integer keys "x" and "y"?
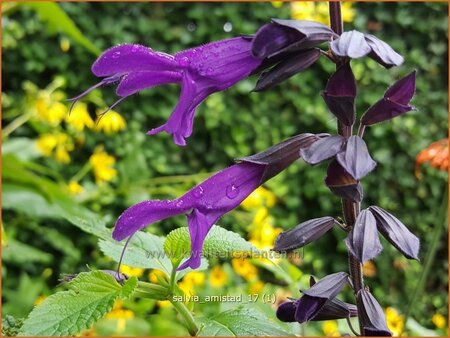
{"x": 277, "y": 51}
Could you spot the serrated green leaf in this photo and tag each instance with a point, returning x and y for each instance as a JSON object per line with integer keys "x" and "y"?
{"x": 90, "y": 296}
{"x": 218, "y": 242}
{"x": 240, "y": 322}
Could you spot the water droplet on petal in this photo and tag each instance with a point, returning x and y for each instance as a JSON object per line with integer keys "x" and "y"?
{"x": 198, "y": 192}
{"x": 184, "y": 61}
{"x": 232, "y": 191}
{"x": 115, "y": 55}
{"x": 179, "y": 203}
{"x": 209, "y": 71}
{"x": 134, "y": 49}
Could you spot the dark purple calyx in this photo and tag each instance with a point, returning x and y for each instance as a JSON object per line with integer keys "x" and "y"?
{"x": 342, "y": 184}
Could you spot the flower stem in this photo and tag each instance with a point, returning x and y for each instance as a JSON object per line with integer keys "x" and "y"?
{"x": 350, "y": 209}
{"x": 10, "y": 128}
{"x": 429, "y": 259}
{"x": 187, "y": 316}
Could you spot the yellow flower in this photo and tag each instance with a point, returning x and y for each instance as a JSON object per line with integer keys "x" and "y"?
{"x": 195, "y": 278}
{"x": 394, "y": 321}
{"x": 121, "y": 315}
{"x": 164, "y": 303}
{"x": 110, "y": 122}
{"x": 155, "y": 275}
{"x": 59, "y": 143}
{"x": 244, "y": 268}
{"x": 439, "y": 320}
{"x": 79, "y": 117}
{"x": 259, "y": 197}
{"x": 319, "y": 11}
{"x": 256, "y": 288}
{"x": 330, "y": 328}
{"x": 277, "y": 4}
{"x": 48, "y": 111}
{"x": 187, "y": 287}
{"x": 217, "y": 277}
{"x": 74, "y": 188}
{"x": 102, "y": 166}
{"x": 39, "y": 300}
{"x": 369, "y": 269}
{"x": 64, "y": 44}
{"x": 263, "y": 235}
{"x": 130, "y": 271}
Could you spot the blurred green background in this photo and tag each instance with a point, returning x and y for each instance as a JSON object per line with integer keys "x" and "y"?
{"x": 47, "y": 51}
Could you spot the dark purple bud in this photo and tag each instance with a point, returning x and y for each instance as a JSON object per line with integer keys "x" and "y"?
{"x": 323, "y": 149}
{"x": 371, "y": 316}
{"x": 350, "y": 44}
{"x": 303, "y": 234}
{"x": 286, "y": 311}
{"x": 279, "y": 156}
{"x": 315, "y": 298}
{"x": 363, "y": 241}
{"x": 355, "y": 158}
{"x": 340, "y": 94}
{"x": 285, "y": 69}
{"x": 396, "y": 233}
{"x": 342, "y": 184}
{"x": 394, "y": 103}
{"x": 336, "y": 309}
{"x": 283, "y": 36}
{"x": 382, "y": 52}
{"x": 354, "y": 44}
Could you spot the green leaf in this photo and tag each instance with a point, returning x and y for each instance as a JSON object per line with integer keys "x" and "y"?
{"x": 20, "y": 253}
{"x": 59, "y": 21}
{"x": 90, "y": 296}
{"x": 218, "y": 242}
{"x": 240, "y": 322}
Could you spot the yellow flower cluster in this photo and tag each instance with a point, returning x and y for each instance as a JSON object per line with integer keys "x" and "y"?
{"x": 57, "y": 144}
{"x": 217, "y": 277}
{"x": 110, "y": 122}
{"x": 79, "y": 118}
{"x": 102, "y": 165}
{"x": 191, "y": 280}
{"x": 244, "y": 268}
{"x": 74, "y": 188}
{"x": 121, "y": 315}
{"x": 155, "y": 275}
{"x": 330, "y": 328}
{"x": 439, "y": 320}
{"x": 394, "y": 321}
{"x": 318, "y": 11}
{"x": 131, "y": 271}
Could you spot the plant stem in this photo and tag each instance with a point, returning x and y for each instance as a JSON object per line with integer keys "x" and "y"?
{"x": 16, "y": 124}
{"x": 350, "y": 209}
{"x": 187, "y": 316}
{"x": 429, "y": 259}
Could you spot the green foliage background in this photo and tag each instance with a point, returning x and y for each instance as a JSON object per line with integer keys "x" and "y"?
{"x": 232, "y": 124}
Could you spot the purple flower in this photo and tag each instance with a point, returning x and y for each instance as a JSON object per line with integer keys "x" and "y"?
{"x": 355, "y": 158}
{"x": 371, "y": 316}
{"x": 319, "y": 302}
{"x": 303, "y": 234}
{"x": 210, "y": 200}
{"x": 201, "y": 71}
{"x": 340, "y": 94}
{"x": 288, "y": 46}
{"x": 395, "y": 101}
{"x": 342, "y": 184}
{"x": 354, "y": 44}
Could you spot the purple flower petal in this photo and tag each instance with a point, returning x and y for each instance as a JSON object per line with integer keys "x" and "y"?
{"x": 355, "y": 159}
{"x": 323, "y": 149}
{"x": 303, "y": 234}
{"x": 342, "y": 184}
{"x": 286, "y": 311}
{"x": 340, "y": 93}
{"x": 350, "y": 44}
{"x": 363, "y": 241}
{"x": 128, "y": 58}
{"x": 278, "y": 157}
{"x": 315, "y": 298}
{"x": 137, "y": 81}
{"x": 394, "y": 103}
{"x": 382, "y": 52}
{"x": 396, "y": 233}
{"x": 371, "y": 315}
{"x": 284, "y": 36}
{"x": 287, "y": 68}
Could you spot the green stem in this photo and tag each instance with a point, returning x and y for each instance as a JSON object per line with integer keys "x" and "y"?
{"x": 429, "y": 259}
{"x": 82, "y": 172}
{"x": 172, "y": 278}
{"x": 152, "y": 288}
{"x": 10, "y": 128}
{"x": 187, "y": 316}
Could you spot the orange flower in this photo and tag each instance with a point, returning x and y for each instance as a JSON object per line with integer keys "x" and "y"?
{"x": 436, "y": 154}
